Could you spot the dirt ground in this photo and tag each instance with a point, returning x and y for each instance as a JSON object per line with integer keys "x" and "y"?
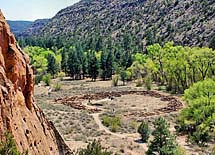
{"x": 78, "y": 124}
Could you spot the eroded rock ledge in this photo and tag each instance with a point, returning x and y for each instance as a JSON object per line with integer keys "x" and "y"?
{"x": 18, "y": 112}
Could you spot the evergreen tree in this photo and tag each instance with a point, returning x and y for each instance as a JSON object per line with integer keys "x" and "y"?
{"x": 144, "y": 131}
{"x": 103, "y": 65}
{"x": 94, "y": 148}
{"x": 64, "y": 59}
{"x": 212, "y": 43}
{"x": 74, "y": 65}
{"x": 98, "y": 43}
{"x": 123, "y": 75}
{"x": 52, "y": 67}
{"x": 93, "y": 66}
{"x": 164, "y": 142}
{"x": 109, "y": 64}
{"x": 126, "y": 60}
{"x": 84, "y": 65}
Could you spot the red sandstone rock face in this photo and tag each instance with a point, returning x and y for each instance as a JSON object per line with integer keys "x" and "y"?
{"x": 18, "y": 113}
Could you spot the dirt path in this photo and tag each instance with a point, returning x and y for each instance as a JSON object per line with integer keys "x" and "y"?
{"x": 130, "y": 138}
{"x": 102, "y": 127}
{"x": 127, "y": 137}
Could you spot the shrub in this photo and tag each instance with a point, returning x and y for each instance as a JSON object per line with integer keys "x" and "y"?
{"x": 94, "y": 148}
{"x": 8, "y": 147}
{"x": 61, "y": 75}
{"x": 115, "y": 80}
{"x": 133, "y": 124}
{"x": 144, "y": 131}
{"x": 114, "y": 122}
{"x": 123, "y": 76}
{"x": 139, "y": 82}
{"x": 148, "y": 82}
{"x": 181, "y": 150}
{"x": 47, "y": 79}
{"x": 57, "y": 86}
{"x": 38, "y": 78}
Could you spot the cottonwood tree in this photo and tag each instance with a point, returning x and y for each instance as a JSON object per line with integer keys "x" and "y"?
{"x": 197, "y": 119}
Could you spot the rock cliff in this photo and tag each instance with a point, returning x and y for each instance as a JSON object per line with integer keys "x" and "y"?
{"x": 18, "y": 113}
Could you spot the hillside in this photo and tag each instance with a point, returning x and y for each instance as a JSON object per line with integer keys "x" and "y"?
{"x": 34, "y": 27}
{"x": 187, "y": 22}
{"x": 18, "y": 27}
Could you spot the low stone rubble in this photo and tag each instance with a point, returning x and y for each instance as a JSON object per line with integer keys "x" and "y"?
{"x": 76, "y": 101}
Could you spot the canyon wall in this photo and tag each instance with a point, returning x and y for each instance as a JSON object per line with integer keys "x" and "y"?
{"x": 19, "y": 115}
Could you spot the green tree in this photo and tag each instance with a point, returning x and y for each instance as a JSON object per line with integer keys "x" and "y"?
{"x": 164, "y": 142}
{"x": 94, "y": 148}
{"x": 103, "y": 65}
{"x": 144, "y": 131}
{"x": 93, "y": 66}
{"x": 47, "y": 79}
{"x": 64, "y": 60}
{"x": 52, "y": 67}
{"x": 212, "y": 43}
{"x": 74, "y": 64}
{"x": 123, "y": 76}
{"x": 109, "y": 64}
{"x": 197, "y": 119}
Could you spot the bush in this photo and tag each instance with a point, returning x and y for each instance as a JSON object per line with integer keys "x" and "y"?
{"x": 148, "y": 82}
{"x": 114, "y": 122}
{"x": 123, "y": 76}
{"x": 8, "y": 147}
{"x": 47, "y": 79}
{"x": 94, "y": 148}
{"x": 181, "y": 150}
{"x": 38, "y": 78}
{"x": 57, "y": 86}
{"x": 61, "y": 75}
{"x": 144, "y": 131}
{"x": 139, "y": 82}
{"x": 115, "y": 80}
{"x": 133, "y": 124}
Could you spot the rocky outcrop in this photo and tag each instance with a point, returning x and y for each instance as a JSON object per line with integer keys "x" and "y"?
{"x": 18, "y": 113}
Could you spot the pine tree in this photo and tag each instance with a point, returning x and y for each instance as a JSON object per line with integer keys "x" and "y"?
{"x": 52, "y": 67}
{"x": 109, "y": 64}
{"x": 164, "y": 142}
{"x": 64, "y": 59}
{"x": 94, "y": 148}
{"x": 144, "y": 131}
{"x": 93, "y": 66}
{"x": 123, "y": 75}
{"x": 103, "y": 65}
{"x": 74, "y": 65}
{"x": 212, "y": 43}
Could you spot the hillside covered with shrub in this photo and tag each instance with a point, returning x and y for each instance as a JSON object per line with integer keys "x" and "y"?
{"x": 143, "y": 22}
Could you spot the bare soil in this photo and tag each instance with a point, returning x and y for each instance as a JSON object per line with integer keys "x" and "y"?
{"x": 77, "y": 111}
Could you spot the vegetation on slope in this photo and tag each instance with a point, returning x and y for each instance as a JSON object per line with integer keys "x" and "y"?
{"x": 17, "y": 27}
{"x": 142, "y": 22}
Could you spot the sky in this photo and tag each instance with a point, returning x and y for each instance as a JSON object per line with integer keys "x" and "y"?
{"x": 31, "y": 10}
